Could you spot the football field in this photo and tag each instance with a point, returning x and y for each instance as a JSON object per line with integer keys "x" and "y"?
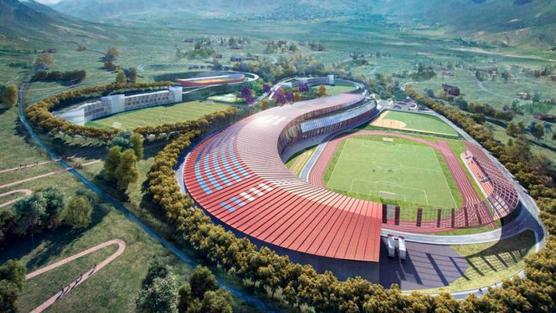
{"x": 158, "y": 115}
{"x": 393, "y": 171}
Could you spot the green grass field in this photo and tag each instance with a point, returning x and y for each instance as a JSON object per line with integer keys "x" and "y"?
{"x": 335, "y": 90}
{"x": 159, "y": 115}
{"x": 416, "y": 122}
{"x": 227, "y": 98}
{"x": 397, "y": 171}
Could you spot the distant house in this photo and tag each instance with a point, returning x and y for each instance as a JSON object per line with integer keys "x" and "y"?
{"x": 524, "y": 95}
{"x": 451, "y": 90}
{"x": 237, "y": 58}
{"x": 551, "y": 118}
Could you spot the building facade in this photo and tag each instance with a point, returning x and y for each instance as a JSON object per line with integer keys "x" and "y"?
{"x": 118, "y": 103}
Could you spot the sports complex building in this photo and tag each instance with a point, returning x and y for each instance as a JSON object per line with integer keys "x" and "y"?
{"x": 239, "y": 178}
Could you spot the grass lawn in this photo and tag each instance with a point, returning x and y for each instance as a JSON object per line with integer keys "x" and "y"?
{"x": 227, "y": 98}
{"x": 490, "y": 263}
{"x": 165, "y": 114}
{"x": 392, "y": 170}
{"x": 335, "y": 90}
{"x": 414, "y": 122}
{"x": 298, "y": 160}
{"x": 15, "y": 150}
{"x": 114, "y": 287}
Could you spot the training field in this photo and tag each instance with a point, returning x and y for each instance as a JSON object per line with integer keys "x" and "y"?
{"x": 392, "y": 171}
{"x": 414, "y": 122}
{"x": 165, "y": 114}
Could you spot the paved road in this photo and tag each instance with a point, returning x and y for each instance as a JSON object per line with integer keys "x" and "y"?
{"x": 238, "y": 293}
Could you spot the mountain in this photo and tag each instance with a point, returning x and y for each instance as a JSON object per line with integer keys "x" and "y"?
{"x": 510, "y": 22}
{"x": 27, "y": 21}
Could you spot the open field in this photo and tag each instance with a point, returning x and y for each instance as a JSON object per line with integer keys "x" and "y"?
{"x": 392, "y": 171}
{"x": 414, "y": 122}
{"x": 335, "y": 90}
{"x": 490, "y": 263}
{"x": 117, "y": 284}
{"x": 164, "y": 114}
{"x": 227, "y": 98}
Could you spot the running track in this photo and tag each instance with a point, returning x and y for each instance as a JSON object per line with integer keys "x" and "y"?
{"x": 470, "y": 196}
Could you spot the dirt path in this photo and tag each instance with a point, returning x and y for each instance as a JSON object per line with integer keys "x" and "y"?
{"x": 26, "y": 192}
{"x": 83, "y": 277}
{"x": 24, "y": 166}
{"x": 26, "y": 180}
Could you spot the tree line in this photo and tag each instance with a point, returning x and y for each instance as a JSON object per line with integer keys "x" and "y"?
{"x": 301, "y": 287}
{"x": 44, "y": 210}
{"x": 57, "y": 76}
{"x": 162, "y": 292}
{"x": 8, "y": 96}
{"x": 41, "y": 116}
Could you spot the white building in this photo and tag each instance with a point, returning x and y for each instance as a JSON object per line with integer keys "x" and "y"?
{"x": 120, "y": 103}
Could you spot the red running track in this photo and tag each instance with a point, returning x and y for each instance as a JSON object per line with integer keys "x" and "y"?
{"x": 475, "y": 212}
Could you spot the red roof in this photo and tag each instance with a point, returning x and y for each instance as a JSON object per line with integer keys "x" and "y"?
{"x": 238, "y": 177}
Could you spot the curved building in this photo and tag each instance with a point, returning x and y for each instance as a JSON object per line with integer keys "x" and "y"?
{"x": 212, "y": 80}
{"x": 239, "y": 178}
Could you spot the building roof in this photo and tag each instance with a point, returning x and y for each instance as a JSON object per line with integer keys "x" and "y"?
{"x": 239, "y": 178}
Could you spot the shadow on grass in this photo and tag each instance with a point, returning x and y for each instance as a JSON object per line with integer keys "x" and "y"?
{"x": 51, "y": 243}
{"x": 502, "y": 255}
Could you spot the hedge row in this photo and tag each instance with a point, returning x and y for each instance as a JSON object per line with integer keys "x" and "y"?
{"x": 40, "y": 113}
{"x": 302, "y": 288}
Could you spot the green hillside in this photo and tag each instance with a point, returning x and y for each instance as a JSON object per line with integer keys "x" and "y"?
{"x": 498, "y": 21}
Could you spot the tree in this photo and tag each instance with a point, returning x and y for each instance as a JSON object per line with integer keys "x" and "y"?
{"x": 121, "y": 79}
{"x": 54, "y": 203}
{"x": 31, "y": 212}
{"x": 78, "y": 212}
{"x": 537, "y": 130}
{"x": 136, "y": 141}
{"x": 159, "y": 297}
{"x": 126, "y": 172}
{"x": 9, "y": 96}
{"x": 184, "y": 298}
{"x": 322, "y": 91}
{"x": 123, "y": 140}
{"x": 112, "y": 162}
{"x": 513, "y": 130}
{"x": 219, "y": 301}
{"x": 132, "y": 75}
{"x": 202, "y": 280}
{"x": 12, "y": 276}
{"x": 156, "y": 270}
{"x": 112, "y": 54}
